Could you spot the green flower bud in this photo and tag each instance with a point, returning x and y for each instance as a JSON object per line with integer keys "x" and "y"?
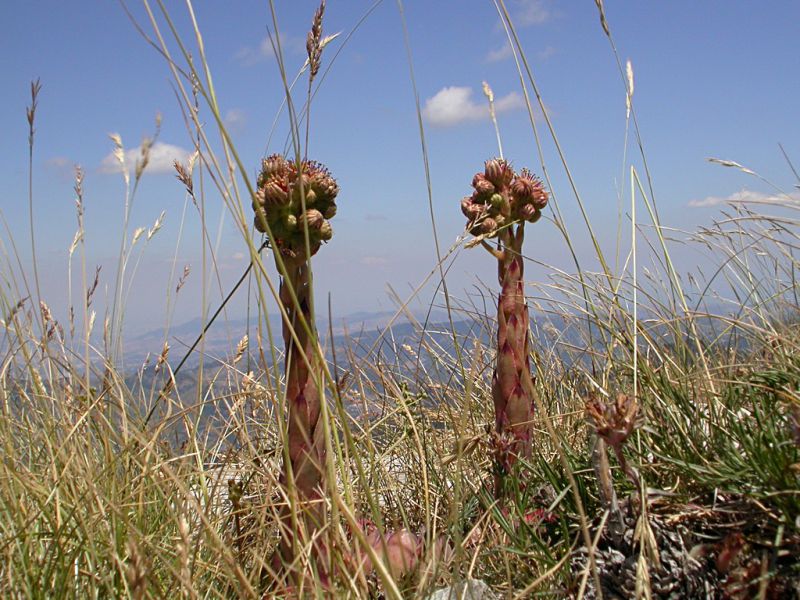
{"x": 260, "y": 220}
{"x": 258, "y": 199}
{"x": 330, "y": 212}
{"x": 325, "y": 231}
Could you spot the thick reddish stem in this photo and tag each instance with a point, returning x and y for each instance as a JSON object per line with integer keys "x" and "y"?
{"x": 512, "y": 401}
{"x": 304, "y": 473}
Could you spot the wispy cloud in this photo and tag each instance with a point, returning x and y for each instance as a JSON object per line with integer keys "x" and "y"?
{"x": 373, "y": 261}
{"x": 498, "y": 54}
{"x": 531, "y": 12}
{"x": 162, "y": 157}
{"x": 235, "y": 119}
{"x": 504, "y": 52}
{"x": 454, "y": 105}
{"x": 61, "y": 167}
{"x": 744, "y": 197}
{"x": 59, "y": 162}
{"x": 546, "y": 53}
{"x": 290, "y": 44}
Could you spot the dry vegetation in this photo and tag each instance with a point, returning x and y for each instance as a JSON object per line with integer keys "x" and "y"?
{"x": 665, "y": 443}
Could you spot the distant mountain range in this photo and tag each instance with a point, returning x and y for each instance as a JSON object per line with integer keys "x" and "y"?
{"x": 222, "y": 337}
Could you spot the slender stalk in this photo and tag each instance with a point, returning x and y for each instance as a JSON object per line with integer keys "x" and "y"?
{"x": 36, "y": 87}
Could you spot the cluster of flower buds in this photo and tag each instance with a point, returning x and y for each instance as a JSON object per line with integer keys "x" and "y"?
{"x": 614, "y": 421}
{"x": 292, "y": 197}
{"x": 502, "y": 197}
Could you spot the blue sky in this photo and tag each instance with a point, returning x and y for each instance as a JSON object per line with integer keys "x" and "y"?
{"x": 711, "y": 79}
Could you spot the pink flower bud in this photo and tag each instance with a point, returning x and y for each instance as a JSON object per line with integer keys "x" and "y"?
{"x": 488, "y": 226}
{"x": 540, "y": 198}
{"x": 529, "y": 188}
{"x": 472, "y": 210}
{"x": 522, "y": 188}
{"x": 508, "y": 174}
{"x": 273, "y": 165}
{"x": 275, "y": 194}
{"x": 499, "y": 172}
{"x": 320, "y": 180}
{"x": 493, "y": 171}
{"x": 398, "y": 550}
{"x": 482, "y": 185}
{"x": 527, "y": 212}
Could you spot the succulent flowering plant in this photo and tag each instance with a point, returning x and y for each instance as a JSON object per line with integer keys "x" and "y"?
{"x": 291, "y": 196}
{"x": 294, "y": 200}
{"x": 498, "y": 208}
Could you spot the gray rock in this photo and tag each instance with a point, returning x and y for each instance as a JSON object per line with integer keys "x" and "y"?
{"x": 469, "y": 589}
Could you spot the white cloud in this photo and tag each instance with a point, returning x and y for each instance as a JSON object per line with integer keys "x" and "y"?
{"x": 249, "y": 56}
{"x": 744, "y": 196}
{"x": 454, "y": 105}
{"x": 162, "y": 157}
{"x": 235, "y": 119}
{"x": 498, "y": 54}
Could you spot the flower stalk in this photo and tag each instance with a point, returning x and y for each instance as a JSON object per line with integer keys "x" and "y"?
{"x": 614, "y": 422}
{"x": 500, "y": 205}
{"x": 293, "y": 204}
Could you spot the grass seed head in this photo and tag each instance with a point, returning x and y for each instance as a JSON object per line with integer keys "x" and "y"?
{"x": 314, "y": 41}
